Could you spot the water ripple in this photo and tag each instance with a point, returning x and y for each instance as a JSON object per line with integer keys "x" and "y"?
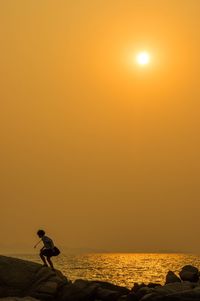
{"x": 120, "y": 269}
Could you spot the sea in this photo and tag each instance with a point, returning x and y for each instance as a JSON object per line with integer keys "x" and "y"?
{"x": 119, "y": 268}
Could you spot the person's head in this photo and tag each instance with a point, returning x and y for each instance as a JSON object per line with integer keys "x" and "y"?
{"x": 40, "y": 233}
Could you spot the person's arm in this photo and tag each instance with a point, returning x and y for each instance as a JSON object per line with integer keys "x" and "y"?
{"x": 37, "y": 243}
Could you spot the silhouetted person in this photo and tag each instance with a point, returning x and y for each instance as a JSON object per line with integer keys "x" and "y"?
{"x": 48, "y": 250}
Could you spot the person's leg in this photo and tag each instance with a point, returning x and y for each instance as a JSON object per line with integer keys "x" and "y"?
{"x": 43, "y": 259}
{"x": 50, "y": 262}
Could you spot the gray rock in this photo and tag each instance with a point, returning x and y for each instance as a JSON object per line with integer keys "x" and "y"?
{"x": 174, "y": 291}
{"x": 181, "y": 296}
{"x": 100, "y": 289}
{"x": 189, "y": 273}
{"x": 79, "y": 290}
{"x": 21, "y": 278}
{"x": 144, "y": 291}
{"x": 110, "y": 286}
{"x": 105, "y": 294}
{"x": 73, "y": 293}
{"x": 174, "y": 288}
{"x": 150, "y": 297}
{"x": 138, "y": 286}
{"x": 130, "y": 297}
{"x": 153, "y": 285}
{"x": 93, "y": 290}
{"x": 171, "y": 277}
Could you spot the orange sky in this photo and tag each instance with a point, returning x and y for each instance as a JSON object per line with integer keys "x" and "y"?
{"x": 96, "y": 150}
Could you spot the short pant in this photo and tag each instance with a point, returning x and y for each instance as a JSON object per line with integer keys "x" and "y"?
{"x": 47, "y": 252}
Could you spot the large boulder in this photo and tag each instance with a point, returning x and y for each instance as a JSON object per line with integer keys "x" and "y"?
{"x": 144, "y": 291}
{"x": 189, "y": 273}
{"x": 80, "y": 290}
{"x": 171, "y": 277}
{"x": 109, "y": 292}
{"x": 138, "y": 286}
{"x": 130, "y": 297}
{"x": 83, "y": 290}
{"x": 174, "y": 288}
{"x": 21, "y": 278}
{"x": 173, "y": 291}
{"x": 72, "y": 293}
{"x": 191, "y": 295}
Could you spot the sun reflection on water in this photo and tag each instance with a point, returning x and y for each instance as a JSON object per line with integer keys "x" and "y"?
{"x": 121, "y": 269}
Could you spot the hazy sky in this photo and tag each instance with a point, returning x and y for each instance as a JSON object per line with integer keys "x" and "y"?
{"x": 97, "y": 150}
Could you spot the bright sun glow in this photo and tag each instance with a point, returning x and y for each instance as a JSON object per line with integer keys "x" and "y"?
{"x": 143, "y": 58}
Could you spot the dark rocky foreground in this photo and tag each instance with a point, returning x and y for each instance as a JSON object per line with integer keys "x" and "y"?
{"x": 22, "y": 280}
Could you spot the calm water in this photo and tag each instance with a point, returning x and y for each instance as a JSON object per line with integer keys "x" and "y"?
{"x": 121, "y": 269}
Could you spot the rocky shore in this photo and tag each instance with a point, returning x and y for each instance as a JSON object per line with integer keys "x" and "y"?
{"x": 22, "y": 280}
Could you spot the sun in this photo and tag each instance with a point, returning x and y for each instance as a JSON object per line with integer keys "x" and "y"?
{"x": 143, "y": 58}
